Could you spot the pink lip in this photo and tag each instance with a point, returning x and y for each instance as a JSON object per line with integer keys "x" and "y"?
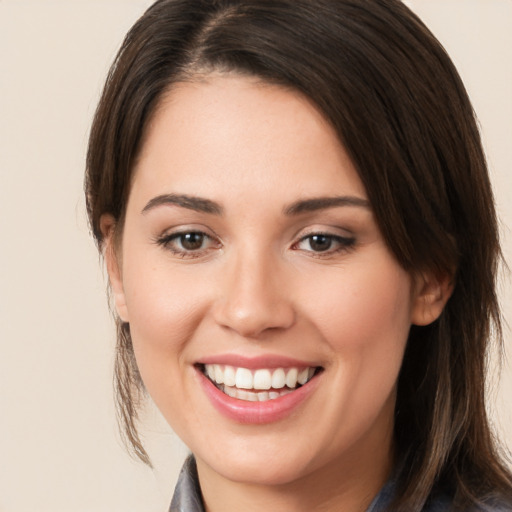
{"x": 255, "y": 413}
{"x": 252, "y": 363}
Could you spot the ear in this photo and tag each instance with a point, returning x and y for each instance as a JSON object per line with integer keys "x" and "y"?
{"x": 113, "y": 262}
{"x": 431, "y": 293}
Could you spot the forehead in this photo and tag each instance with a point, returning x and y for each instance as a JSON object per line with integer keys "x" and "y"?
{"x": 229, "y": 133}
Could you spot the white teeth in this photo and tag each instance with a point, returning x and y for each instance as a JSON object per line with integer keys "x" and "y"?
{"x": 262, "y": 379}
{"x": 250, "y": 396}
{"x": 219, "y": 374}
{"x": 231, "y": 391}
{"x": 229, "y": 376}
{"x": 263, "y": 396}
{"x": 291, "y": 377}
{"x": 273, "y": 383}
{"x": 302, "y": 378}
{"x": 243, "y": 378}
{"x": 241, "y": 394}
{"x": 278, "y": 379}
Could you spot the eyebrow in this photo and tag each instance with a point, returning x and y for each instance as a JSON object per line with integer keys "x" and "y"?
{"x": 322, "y": 203}
{"x": 197, "y": 204}
{"x": 203, "y": 205}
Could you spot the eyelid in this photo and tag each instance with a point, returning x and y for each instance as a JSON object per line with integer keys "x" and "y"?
{"x": 325, "y": 230}
{"x": 182, "y": 229}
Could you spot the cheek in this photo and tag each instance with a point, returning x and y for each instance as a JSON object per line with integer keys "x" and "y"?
{"x": 363, "y": 314}
{"x": 363, "y": 307}
{"x": 364, "y": 317}
{"x": 157, "y": 295}
{"x": 164, "y": 308}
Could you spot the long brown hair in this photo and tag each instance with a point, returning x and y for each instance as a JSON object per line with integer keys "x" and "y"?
{"x": 401, "y": 111}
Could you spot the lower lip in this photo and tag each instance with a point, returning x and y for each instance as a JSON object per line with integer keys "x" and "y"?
{"x": 243, "y": 411}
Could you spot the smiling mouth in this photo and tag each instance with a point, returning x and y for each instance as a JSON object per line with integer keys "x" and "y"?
{"x": 258, "y": 385}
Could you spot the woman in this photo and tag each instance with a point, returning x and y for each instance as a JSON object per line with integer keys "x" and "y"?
{"x": 298, "y": 225}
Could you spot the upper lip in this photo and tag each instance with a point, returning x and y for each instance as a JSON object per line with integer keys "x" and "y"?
{"x": 252, "y": 363}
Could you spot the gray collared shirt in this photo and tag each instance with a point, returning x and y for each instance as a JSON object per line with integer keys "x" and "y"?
{"x": 187, "y": 495}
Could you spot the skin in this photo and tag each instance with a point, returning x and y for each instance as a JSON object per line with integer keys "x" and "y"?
{"x": 257, "y": 285}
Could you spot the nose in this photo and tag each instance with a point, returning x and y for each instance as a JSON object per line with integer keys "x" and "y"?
{"x": 255, "y": 298}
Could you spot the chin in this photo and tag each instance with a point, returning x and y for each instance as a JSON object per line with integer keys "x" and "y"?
{"x": 265, "y": 462}
{"x": 262, "y": 472}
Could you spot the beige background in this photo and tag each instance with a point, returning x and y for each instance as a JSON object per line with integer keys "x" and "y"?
{"x": 59, "y": 450}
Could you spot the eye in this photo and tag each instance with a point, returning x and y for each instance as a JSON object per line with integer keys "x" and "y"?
{"x": 324, "y": 243}
{"x": 187, "y": 244}
{"x": 191, "y": 241}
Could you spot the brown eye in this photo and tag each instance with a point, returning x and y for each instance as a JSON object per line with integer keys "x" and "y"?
{"x": 324, "y": 243}
{"x": 320, "y": 243}
{"x": 188, "y": 244}
{"x": 191, "y": 241}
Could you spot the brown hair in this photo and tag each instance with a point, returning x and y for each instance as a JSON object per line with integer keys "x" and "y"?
{"x": 402, "y": 113}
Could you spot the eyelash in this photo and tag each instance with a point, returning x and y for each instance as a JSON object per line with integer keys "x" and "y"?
{"x": 167, "y": 241}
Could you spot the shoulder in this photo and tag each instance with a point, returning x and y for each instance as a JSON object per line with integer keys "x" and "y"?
{"x": 443, "y": 503}
{"x": 496, "y": 506}
{"x": 439, "y": 501}
{"x": 187, "y": 493}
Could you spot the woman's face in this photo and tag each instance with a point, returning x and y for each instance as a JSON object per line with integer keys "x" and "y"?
{"x": 250, "y": 256}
